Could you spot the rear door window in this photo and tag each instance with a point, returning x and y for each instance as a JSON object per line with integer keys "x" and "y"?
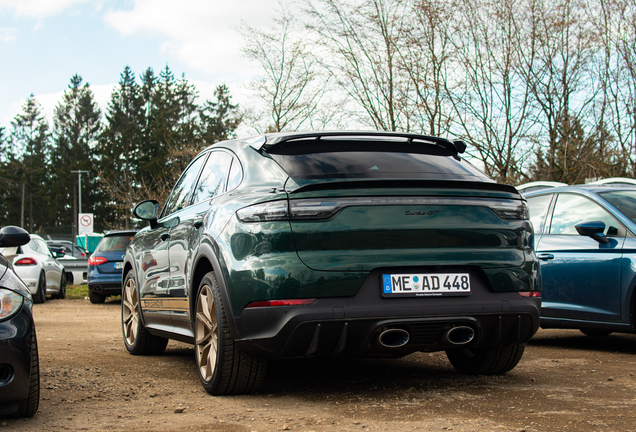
{"x": 213, "y": 177}
{"x": 538, "y": 207}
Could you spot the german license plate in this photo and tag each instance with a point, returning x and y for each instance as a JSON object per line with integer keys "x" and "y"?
{"x": 425, "y": 285}
{"x": 119, "y": 265}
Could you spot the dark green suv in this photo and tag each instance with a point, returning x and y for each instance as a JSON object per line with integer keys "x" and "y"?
{"x": 313, "y": 244}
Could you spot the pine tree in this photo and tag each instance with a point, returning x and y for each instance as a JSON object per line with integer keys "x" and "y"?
{"x": 219, "y": 119}
{"x": 119, "y": 148}
{"x": 77, "y": 125}
{"x": 25, "y": 161}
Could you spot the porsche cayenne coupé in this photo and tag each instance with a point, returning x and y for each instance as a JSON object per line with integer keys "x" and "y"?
{"x": 297, "y": 245}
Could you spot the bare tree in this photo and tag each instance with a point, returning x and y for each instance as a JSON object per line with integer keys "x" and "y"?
{"x": 619, "y": 31}
{"x": 560, "y": 79}
{"x": 359, "y": 43}
{"x": 490, "y": 98}
{"x": 425, "y": 51}
{"x": 292, "y": 87}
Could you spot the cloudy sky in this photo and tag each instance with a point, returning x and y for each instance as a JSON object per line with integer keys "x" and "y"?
{"x": 45, "y": 42}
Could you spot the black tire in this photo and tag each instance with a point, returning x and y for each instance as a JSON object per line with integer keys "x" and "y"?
{"x": 485, "y": 361}
{"x": 29, "y": 406}
{"x": 223, "y": 369}
{"x": 40, "y": 295}
{"x": 595, "y": 332}
{"x": 96, "y": 298}
{"x": 62, "y": 292}
{"x": 137, "y": 339}
{"x": 69, "y": 278}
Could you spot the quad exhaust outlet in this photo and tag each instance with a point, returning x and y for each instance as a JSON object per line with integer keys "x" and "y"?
{"x": 460, "y": 335}
{"x": 394, "y": 338}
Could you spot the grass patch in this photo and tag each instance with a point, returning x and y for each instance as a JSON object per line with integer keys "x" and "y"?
{"x": 76, "y": 291}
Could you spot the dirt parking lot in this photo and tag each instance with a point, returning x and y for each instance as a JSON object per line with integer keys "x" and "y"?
{"x": 565, "y": 381}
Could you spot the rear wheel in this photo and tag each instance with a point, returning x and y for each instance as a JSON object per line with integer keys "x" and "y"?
{"x": 595, "y": 332}
{"x": 96, "y": 298}
{"x": 223, "y": 368}
{"x": 62, "y": 292}
{"x": 137, "y": 339}
{"x": 40, "y": 295}
{"x": 485, "y": 361}
{"x": 29, "y": 406}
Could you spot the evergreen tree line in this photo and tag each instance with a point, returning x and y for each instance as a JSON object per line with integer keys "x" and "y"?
{"x": 151, "y": 129}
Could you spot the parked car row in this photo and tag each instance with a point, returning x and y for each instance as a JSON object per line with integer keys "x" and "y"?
{"x": 378, "y": 244}
{"x": 37, "y": 266}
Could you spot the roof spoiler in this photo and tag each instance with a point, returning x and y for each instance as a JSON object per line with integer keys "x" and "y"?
{"x": 267, "y": 142}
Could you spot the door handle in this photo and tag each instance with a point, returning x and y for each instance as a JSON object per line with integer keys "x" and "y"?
{"x": 164, "y": 237}
{"x": 545, "y": 256}
{"x": 197, "y": 224}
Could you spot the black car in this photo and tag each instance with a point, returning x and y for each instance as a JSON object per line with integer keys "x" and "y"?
{"x": 19, "y": 363}
{"x": 314, "y": 244}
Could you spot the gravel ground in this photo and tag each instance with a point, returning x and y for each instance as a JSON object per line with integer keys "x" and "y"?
{"x": 565, "y": 381}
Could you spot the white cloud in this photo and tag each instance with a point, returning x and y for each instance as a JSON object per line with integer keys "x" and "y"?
{"x": 8, "y": 34}
{"x": 199, "y": 33}
{"x": 37, "y": 8}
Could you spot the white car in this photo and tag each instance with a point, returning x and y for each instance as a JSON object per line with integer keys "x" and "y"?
{"x": 37, "y": 267}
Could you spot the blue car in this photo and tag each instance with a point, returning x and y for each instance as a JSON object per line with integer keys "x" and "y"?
{"x": 106, "y": 264}
{"x": 585, "y": 239}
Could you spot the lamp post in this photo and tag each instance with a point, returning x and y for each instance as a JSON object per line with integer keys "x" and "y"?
{"x": 79, "y": 187}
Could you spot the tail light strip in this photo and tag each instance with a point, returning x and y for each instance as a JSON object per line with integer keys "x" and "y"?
{"x": 317, "y": 209}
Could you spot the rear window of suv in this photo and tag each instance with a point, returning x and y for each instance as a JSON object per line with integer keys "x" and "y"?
{"x": 114, "y": 243}
{"x": 382, "y": 160}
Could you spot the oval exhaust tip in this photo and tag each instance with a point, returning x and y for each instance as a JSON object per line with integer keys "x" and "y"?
{"x": 394, "y": 338}
{"x": 460, "y": 335}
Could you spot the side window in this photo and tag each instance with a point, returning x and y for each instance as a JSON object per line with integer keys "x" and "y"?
{"x": 236, "y": 175}
{"x": 44, "y": 248}
{"x": 213, "y": 177}
{"x": 571, "y": 210}
{"x": 538, "y": 206}
{"x": 179, "y": 197}
{"x": 35, "y": 246}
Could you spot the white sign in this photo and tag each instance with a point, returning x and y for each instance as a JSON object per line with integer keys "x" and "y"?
{"x": 85, "y": 223}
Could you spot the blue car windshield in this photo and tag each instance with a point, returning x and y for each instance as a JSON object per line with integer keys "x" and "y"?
{"x": 625, "y": 201}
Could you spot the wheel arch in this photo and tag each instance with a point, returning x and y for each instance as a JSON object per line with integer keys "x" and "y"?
{"x": 206, "y": 261}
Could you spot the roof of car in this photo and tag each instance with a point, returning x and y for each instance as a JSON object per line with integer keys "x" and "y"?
{"x": 592, "y": 188}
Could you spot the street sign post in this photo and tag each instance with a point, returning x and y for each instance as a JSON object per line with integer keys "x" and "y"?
{"x": 85, "y": 223}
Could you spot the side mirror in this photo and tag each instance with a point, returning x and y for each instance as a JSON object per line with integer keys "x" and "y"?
{"x": 59, "y": 254}
{"x": 594, "y": 230}
{"x": 147, "y": 210}
{"x": 11, "y": 236}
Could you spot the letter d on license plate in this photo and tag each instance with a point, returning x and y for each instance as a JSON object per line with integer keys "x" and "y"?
{"x": 425, "y": 285}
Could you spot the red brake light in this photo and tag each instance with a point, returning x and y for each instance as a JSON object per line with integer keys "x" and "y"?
{"x": 530, "y": 294}
{"x": 293, "y": 302}
{"x": 26, "y": 261}
{"x": 96, "y": 260}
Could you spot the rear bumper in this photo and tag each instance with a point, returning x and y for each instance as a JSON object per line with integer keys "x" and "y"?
{"x": 15, "y": 360}
{"x": 105, "y": 288}
{"x": 352, "y": 325}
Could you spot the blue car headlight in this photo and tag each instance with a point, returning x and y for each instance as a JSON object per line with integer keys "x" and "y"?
{"x": 10, "y": 303}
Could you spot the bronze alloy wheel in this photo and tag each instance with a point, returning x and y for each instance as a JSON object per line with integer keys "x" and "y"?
{"x": 207, "y": 336}
{"x": 137, "y": 339}
{"x": 223, "y": 368}
{"x": 129, "y": 314}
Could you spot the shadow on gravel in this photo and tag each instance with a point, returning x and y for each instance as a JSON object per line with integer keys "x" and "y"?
{"x": 328, "y": 378}
{"x": 616, "y": 342}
